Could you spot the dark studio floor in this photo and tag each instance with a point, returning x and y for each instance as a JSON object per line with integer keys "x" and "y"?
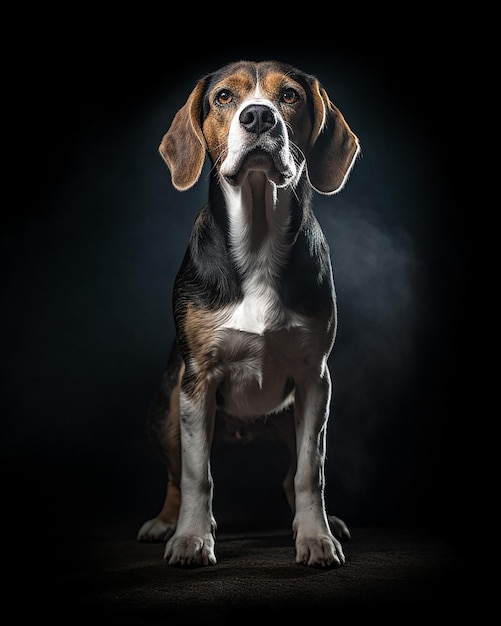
{"x": 106, "y": 579}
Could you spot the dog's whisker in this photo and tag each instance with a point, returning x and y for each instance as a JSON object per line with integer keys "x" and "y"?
{"x": 215, "y": 164}
{"x": 297, "y": 153}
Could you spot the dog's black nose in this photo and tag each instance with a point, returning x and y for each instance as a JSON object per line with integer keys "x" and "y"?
{"x": 257, "y": 118}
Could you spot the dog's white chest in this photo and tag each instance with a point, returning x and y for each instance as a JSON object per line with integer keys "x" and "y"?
{"x": 258, "y": 311}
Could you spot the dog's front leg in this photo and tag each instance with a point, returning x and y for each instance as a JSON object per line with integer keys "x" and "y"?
{"x": 193, "y": 541}
{"x": 315, "y": 543}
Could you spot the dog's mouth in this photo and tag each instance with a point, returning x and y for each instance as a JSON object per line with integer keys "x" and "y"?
{"x": 277, "y": 169}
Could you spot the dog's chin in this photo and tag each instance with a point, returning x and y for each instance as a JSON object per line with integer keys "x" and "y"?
{"x": 276, "y": 171}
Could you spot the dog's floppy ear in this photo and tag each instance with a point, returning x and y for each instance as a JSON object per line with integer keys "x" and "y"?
{"x": 183, "y": 146}
{"x": 333, "y": 146}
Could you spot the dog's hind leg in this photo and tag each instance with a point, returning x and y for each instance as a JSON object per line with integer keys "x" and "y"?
{"x": 338, "y": 528}
{"x": 163, "y": 430}
{"x": 283, "y": 423}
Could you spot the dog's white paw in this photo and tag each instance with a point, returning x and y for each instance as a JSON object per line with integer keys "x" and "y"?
{"x": 155, "y": 530}
{"x": 338, "y": 528}
{"x": 320, "y": 551}
{"x": 190, "y": 550}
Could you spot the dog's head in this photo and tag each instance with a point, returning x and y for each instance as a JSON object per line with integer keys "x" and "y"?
{"x": 265, "y": 116}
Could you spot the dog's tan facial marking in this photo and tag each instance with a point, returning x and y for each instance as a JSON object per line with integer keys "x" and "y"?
{"x": 224, "y": 99}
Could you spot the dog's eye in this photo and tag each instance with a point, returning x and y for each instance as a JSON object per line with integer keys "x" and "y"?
{"x": 224, "y": 96}
{"x": 289, "y": 96}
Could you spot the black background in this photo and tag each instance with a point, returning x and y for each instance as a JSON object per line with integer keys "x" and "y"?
{"x": 92, "y": 239}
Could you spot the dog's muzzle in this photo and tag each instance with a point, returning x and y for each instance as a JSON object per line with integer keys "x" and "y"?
{"x": 258, "y": 141}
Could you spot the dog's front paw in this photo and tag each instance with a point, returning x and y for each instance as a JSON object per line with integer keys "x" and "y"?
{"x": 320, "y": 551}
{"x": 190, "y": 550}
{"x": 155, "y": 530}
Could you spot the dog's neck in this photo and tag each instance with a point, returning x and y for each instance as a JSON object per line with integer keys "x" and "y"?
{"x": 256, "y": 209}
{"x": 260, "y": 218}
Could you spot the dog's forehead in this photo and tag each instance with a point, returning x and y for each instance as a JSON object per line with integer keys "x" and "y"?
{"x": 267, "y": 77}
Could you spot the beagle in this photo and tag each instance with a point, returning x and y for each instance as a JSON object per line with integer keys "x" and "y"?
{"x": 254, "y": 302}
